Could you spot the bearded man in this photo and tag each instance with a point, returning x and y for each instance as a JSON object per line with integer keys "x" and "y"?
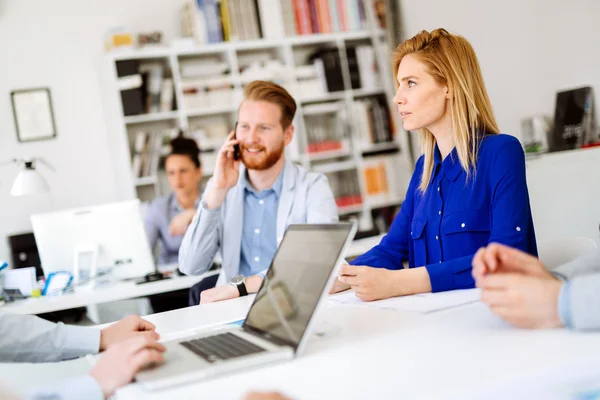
{"x": 254, "y": 194}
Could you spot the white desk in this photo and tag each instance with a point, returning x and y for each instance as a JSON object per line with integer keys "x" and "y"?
{"x": 130, "y": 290}
{"x": 114, "y": 292}
{"x": 464, "y": 352}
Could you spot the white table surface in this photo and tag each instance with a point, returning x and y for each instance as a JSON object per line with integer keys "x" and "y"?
{"x": 368, "y": 353}
{"x": 114, "y": 292}
{"x": 130, "y": 290}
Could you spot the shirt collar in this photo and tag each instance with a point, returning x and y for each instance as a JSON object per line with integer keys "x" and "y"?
{"x": 175, "y": 206}
{"x": 450, "y": 165}
{"x": 277, "y": 185}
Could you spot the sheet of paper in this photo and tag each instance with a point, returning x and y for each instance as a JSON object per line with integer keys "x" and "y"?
{"x": 421, "y": 303}
{"x": 20, "y": 278}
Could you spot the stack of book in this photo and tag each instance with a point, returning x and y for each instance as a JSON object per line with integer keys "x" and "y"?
{"x": 214, "y": 21}
{"x": 148, "y": 149}
{"x": 373, "y": 121}
{"x": 209, "y": 133}
{"x": 325, "y": 16}
{"x": 206, "y": 82}
{"x": 327, "y": 68}
{"x": 380, "y": 178}
{"x": 145, "y": 87}
{"x": 326, "y": 128}
{"x": 345, "y": 188}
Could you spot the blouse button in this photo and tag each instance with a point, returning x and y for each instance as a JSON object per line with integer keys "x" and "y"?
{"x": 518, "y": 229}
{"x": 462, "y": 225}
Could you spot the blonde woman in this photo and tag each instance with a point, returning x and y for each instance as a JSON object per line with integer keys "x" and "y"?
{"x": 468, "y": 188}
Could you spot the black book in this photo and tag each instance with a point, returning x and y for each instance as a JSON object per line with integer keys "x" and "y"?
{"x": 353, "y": 67}
{"x": 132, "y": 97}
{"x": 333, "y": 68}
{"x": 572, "y": 119}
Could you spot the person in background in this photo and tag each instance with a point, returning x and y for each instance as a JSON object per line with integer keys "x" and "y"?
{"x": 468, "y": 189}
{"x": 519, "y": 289}
{"x": 128, "y": 345}
{"x": 168, "y": 217}
{"x": 254, "y": 194}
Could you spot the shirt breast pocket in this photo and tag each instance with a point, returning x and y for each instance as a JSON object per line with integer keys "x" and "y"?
{"x": 468, "y": 230}
{"x": 417, "y": 233}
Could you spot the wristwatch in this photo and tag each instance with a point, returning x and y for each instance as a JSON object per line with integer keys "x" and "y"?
{"x": 239, "y": 282}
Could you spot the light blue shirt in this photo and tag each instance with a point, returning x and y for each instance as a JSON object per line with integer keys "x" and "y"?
{"x": 27, "y": 338}
{"x": 82, "y": 387}
{"x": 305, "y": 198}
{"x": 564, "y": 306}
{"x": 259, "y": 232}
{"x": 159, "y": 215}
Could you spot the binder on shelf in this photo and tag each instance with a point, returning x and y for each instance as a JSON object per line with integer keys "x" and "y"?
{"x": 130, "y": 83}
{"x": 573, "y": 119}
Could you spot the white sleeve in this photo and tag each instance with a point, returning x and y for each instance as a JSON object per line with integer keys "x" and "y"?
{"x": 84, "y": 387}
{"x": 27, "y": 338}
{"x": 320, "y": 204}
{"x": 201, "y": 241}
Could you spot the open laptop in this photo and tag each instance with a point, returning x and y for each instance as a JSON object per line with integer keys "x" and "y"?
{"x": 279, "y": 322}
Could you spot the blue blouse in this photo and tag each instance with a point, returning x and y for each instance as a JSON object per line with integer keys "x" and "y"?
{"x": 442, "y": 228}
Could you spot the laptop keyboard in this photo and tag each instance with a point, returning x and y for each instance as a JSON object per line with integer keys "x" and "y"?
{"x": 221, "y": 347}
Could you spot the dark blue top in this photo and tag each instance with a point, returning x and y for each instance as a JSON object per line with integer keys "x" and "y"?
{"x": 442, "y": 228}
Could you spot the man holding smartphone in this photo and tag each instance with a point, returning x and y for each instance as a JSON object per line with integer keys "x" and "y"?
{"x": 251, "y": 199}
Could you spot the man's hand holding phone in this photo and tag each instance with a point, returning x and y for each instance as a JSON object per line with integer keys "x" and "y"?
{"x": 226, "y": 173}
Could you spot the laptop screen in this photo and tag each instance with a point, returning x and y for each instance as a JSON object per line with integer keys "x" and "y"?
{"x": 296, "y": 279}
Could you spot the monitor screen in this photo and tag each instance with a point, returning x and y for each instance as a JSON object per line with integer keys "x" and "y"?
{"x": 110, "y": 236}
{"x": 296, "y": 279}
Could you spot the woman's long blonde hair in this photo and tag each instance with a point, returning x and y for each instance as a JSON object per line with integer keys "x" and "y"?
{"x": 451, "y": 60}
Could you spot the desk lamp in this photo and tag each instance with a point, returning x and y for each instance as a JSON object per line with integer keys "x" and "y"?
{"x": 29, "y": 181}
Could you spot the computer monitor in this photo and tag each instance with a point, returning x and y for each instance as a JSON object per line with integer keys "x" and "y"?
{"x": 109, "y": 237}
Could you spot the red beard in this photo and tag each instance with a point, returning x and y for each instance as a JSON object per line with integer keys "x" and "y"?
{"x": 262, "y": 160}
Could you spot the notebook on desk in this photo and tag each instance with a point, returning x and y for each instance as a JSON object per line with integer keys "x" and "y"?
{"x": 279, "y": 321}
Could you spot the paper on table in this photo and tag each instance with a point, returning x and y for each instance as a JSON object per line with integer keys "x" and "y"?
{"x": 421, "y": 303}
{"x": 20, "y": 278}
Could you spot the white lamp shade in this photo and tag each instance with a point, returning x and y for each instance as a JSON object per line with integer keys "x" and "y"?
{"x": 29, "y": 182}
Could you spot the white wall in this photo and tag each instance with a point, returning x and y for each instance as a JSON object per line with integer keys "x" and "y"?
{"x": 59, "y": 44}
{"x": 528, "y": 50}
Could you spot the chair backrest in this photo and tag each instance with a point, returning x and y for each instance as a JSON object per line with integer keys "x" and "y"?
{"x": 557, "y": 252}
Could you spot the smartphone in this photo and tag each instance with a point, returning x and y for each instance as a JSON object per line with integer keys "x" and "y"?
{"x": 236, "y": 147}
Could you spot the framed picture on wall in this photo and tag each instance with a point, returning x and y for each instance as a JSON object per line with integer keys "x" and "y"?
{"x": 33, "y": 114}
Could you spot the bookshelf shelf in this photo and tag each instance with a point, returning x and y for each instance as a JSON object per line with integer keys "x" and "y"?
{"x": 210, "y": 111}
{"x": 385, "y": 202}
{"x": 342, "y": 82}
{"x": 335, "y": 167}
{"x": 146, "y": 181}
{"x": 213, "y": 48}
{"x": 327, "y": 155}
{"x": 323, "y": 97}
{"x": 372, "y": 148}
{"x": 143, "y": 118}
{"x": 350, "y": 209}
{"x": 367, "y": 92}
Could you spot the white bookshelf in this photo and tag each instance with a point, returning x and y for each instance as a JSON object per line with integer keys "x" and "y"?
{"x": 122, "y": 129}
